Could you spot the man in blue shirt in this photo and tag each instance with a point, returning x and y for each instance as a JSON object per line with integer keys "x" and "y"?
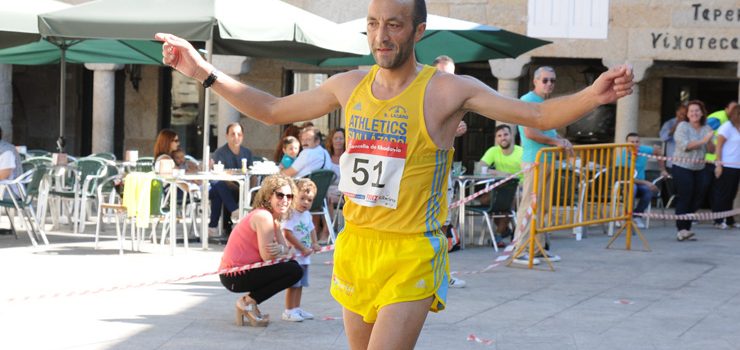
{"x": 644, "y": 189}
{"x": 532, "y": 141}
{"x": 226, "y": 193}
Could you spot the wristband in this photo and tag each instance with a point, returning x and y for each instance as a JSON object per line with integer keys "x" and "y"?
{"x": 211, "y": 78}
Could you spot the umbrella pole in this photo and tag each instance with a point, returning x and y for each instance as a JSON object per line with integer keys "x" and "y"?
{"x": 206, "y": 152}
{"x": 62, "y": 96}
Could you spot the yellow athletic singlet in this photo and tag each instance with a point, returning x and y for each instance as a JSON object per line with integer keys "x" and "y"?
{"x": 393, "y": 174}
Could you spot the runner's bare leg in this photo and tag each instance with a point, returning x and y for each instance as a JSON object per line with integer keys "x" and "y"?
{"x": 358, "y": 331}
{"x": 398, "y": 325}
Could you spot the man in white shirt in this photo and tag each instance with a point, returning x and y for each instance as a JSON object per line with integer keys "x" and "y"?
{"x": 10, "y": 161}
{"x": 312, "y": 157}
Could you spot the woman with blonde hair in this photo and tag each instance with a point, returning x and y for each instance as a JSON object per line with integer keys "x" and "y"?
{"x": 257, "y": 238}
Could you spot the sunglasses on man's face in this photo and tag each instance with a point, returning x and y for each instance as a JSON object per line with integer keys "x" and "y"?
{"x": 281, "y": 195}
{"x": 548, "y": 80}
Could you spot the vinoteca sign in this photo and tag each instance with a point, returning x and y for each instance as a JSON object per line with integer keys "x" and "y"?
{"x": 704, "y": 28}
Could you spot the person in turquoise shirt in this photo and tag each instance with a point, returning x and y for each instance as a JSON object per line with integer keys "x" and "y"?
{"x": 644, "y": 189}
{"x": 532, "y": 141}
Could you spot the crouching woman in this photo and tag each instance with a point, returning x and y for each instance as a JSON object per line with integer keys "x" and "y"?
{"x": 257, "y": 238}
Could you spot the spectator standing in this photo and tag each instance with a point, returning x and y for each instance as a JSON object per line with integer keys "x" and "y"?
{"x": 300, "y": 233}
{"x": 532, "y": 141}
{"x": 335, "y": 145}
{"x": 312, "y": 157}
{"x": 447, "y": 65}
{"x": 666, "y": 134}
{"x": 728, "y": 175}
{"x": 693, "y": 139}
{"x": 714, "y": 120}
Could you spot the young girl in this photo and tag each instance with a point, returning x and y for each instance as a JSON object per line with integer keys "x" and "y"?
{"x": 299, "y": 232}
{"x": 291, "y": 146}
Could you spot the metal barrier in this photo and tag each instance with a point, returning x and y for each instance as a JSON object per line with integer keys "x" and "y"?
{"x": 592, "y": 185}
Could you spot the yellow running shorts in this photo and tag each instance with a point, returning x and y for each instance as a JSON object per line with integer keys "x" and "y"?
{"x": 373, "y": 269}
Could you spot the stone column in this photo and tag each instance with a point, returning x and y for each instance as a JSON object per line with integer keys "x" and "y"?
{"x": 508, "y": 71}
{"x": 6, "y": 101}
{"x": 233, "y": 66}
{"x": 628, "y": 107}
{"x": 104, "y": 94}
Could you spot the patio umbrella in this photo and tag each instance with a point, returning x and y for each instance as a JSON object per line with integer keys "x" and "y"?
{"x": 85, "y": 51}
{"x": 20, "y": 44}
{"x": 264, "y": 28}
{"x": 18, "y": 23}
{"x": 462, "y": 40}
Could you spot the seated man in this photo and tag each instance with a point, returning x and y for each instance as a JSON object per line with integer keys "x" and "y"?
{"x": 312, "y": 156}
{"x": 506, "y": 159}
{"x": 10, "y": 166}
{"x": 10, "y": 161}
{"x": 644, "y": 190}
{"x": 226, "y": 193}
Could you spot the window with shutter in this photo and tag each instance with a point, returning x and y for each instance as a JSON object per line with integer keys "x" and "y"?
{"x": 571, "y": 19}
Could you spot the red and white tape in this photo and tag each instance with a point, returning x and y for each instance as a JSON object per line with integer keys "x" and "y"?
{"x": 472, "y": 337}
{"x": 684, "y": 160}
{"x": 490, "y": 187}
{"x": 691, "y": 216}
{"x": 165, "y": 281}
{"x": 506, "y": 254}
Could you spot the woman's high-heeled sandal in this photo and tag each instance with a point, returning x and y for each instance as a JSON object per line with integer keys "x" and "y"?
{"x": 251, "y": 312}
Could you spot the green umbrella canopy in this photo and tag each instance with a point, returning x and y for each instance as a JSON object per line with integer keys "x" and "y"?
{"x": 264, "y": 28}
{"x": 86, "y": 51}
{"x": 18, "y": 23}
{"x": 463, "y": 41}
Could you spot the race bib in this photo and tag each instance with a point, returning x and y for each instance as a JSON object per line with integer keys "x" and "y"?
{"x": 371, "y": 172}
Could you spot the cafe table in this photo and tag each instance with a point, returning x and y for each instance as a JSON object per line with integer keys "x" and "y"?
{"x": 243, "y": 179}
{"x": 462, "y": 182}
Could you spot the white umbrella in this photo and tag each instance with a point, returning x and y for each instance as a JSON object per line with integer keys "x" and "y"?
{"x": 18, "y": 20}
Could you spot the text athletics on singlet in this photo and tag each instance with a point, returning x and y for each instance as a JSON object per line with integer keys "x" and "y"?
{"x": 392, "y": 173}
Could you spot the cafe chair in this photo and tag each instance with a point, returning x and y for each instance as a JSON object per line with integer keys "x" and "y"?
{"x": 664, "y": 198}
{"x": 104, "y": 155}
{"x": 186, "y": 211}
{"x": 110, "y": 202}
{"x": 500, "y": 206}
{"x": 323, "y": 178}
{"x": 91, "y": 170}
{"x": 13, "y": 196}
